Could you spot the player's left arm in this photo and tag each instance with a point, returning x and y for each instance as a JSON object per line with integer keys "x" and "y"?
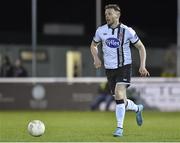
{"x": 142, "y": 53}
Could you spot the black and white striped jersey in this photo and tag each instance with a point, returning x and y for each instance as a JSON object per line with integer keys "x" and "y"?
{"x": 116, "y": 44}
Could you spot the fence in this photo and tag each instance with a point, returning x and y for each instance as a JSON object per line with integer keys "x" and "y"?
{"x": 76, "y": 94}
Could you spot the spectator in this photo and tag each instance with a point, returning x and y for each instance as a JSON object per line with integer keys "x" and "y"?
{"x": 104, "y": 96}
{"x": 19, "y": 70}
{"x": 170, "y": 60}
{"x": 6, "y": 67}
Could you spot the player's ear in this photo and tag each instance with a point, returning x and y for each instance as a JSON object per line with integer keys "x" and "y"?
{"x": 118, "y": 14}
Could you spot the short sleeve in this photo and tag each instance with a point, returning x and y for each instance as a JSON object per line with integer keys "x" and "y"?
{"x": 133, "y": 36}
{"x": 97, "y": 38}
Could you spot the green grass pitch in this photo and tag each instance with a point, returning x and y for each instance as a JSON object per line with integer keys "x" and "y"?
{"x": 74, "y": 126}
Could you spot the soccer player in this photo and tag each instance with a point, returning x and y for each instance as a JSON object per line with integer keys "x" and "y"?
{"x": 116, "y": 38}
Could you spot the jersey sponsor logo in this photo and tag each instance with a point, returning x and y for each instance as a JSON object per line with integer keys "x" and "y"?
{"x": 112, "y": 42}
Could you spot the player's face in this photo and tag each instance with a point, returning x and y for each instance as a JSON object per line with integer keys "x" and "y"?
{"x": 111, "y": 16}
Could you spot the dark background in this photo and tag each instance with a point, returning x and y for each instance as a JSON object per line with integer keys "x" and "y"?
{"x": 154, "y": 20}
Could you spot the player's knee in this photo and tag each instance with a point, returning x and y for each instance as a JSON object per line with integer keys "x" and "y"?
{"x": 119, "y": 94}
{"x": 120, "y": 91}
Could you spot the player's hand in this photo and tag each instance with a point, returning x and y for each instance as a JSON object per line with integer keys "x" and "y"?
{"x": 143, "y": 72}
{"x": 97, "y": 63}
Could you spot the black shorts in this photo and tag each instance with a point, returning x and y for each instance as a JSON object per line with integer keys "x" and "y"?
{"x": 119, "y": 75}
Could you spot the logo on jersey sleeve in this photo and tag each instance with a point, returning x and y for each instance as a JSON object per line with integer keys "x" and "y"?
{"x": 112, "y": 42}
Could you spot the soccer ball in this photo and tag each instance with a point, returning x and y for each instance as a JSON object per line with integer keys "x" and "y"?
{"x": 36, "y": 128}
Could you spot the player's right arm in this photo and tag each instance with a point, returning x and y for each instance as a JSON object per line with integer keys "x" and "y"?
{"x": 94, "y": 52}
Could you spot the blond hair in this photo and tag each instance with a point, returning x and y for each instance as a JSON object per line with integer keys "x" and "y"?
{"x": 113, "y": 6}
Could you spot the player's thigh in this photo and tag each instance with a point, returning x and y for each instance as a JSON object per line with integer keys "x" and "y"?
{"x": 123, "y": 76}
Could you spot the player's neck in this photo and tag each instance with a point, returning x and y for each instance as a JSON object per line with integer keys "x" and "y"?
{"x": 114, "y": 25}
